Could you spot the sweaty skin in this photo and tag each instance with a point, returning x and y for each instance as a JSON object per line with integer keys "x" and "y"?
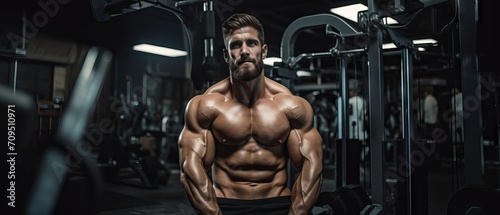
{"x": 244, "y": 132}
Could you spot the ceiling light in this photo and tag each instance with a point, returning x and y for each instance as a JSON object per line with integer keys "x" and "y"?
{"x": 351, "y": 12}
{"x": 424, "y": 41}
{"x": 159, "y": 50}
{"x": 419, "y": 41}
{"x": 271, "y": 60}
{"x": 388, "y": 46}
{"x": 302, "y": 73}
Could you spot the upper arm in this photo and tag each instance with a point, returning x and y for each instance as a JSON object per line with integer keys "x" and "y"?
{"x": 196, "y": 144}
{"x": 304, "y": 141}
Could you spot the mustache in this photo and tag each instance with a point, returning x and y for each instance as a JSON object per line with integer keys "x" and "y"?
{"x": 239, "y": 62}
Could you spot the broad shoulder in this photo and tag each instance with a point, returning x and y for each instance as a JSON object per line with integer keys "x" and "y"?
{"x": 291, "y": 103}
{"x": 205, "y": 100}
{"x": 202, "y": 110}
{"x": 297, "y": 109}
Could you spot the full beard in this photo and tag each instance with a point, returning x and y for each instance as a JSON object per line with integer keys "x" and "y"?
{"x": 244, "y": 72}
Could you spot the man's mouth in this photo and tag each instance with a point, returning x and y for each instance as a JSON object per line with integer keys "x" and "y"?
{"x": 243, "y": 62}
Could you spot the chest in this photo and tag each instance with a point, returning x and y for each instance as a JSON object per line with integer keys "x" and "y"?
{"x": 264, "y": 123}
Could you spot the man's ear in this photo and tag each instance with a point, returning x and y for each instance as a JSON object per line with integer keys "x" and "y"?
{"x": 264, "y": 51}
{"x": 226, "y": 55}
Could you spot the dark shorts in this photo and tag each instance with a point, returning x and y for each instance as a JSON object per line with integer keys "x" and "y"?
{"x": 268, "y": 206}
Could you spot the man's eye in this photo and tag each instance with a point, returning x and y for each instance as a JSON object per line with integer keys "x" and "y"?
{"x": 252, "y": 43}
{"x": 235, "y": 45}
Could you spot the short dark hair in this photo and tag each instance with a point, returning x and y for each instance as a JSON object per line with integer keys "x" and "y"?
{"x": 240, "y": 20}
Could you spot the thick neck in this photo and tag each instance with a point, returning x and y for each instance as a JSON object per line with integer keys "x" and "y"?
{"x": 247, "y": 92}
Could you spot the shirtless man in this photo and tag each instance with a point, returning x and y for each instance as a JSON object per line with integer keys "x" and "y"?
{"x": 244, "y": 129}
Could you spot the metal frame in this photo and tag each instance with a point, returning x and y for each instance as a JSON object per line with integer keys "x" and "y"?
{"x": 375, "y": 84}
{"x": 287, "y": 54}
{"x": 294, "y": 29}
{"x": 376, "y": 114}
{"x": 473, "y": 147}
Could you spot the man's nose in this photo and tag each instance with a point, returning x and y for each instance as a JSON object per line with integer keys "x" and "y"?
{"x": 245, "y": 52}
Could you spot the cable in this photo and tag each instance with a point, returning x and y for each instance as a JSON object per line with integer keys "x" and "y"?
{"x": 452, "y": 21}
{"x": 455, "y": 170}
{"x": 407, "y": 23}
{"x": 416, "y": 13}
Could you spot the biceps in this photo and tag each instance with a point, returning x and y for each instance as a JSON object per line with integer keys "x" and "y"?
{"x": 312, "y": 147}
{"x": 196, "y": 149}
{"x": 304, "y": 145}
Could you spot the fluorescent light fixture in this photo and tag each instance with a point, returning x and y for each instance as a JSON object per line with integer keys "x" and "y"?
{"x": 351, "y": 12}
{"x": 424, "y": 41}
{"x": 271, "y": 60}
{"x": 419, "y": 41}
{"x": 159, "y": 50}
{"x": 388, "y": 46}
{"x": 421, "y": 49}
{"x": 302, "y": 73}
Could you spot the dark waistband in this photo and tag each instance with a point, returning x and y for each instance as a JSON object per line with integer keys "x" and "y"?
{"x": 278, "y": 199}
{"x": 270, "y": 206}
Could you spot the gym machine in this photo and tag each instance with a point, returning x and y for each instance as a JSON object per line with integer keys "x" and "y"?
{"x": 348, "y": 198}
{"x": 368, "y": 40}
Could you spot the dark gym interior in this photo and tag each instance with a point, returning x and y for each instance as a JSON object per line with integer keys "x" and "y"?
{"x": 97, "y": 122}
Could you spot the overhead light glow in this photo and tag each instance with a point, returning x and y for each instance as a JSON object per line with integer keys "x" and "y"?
{"x": 271, "y": 60}
{"x": 388, "y": 46}
{"x": 159, "y": 50}
{"x": 350, "y": 12}
{"x": 419, "y": 41}
{"x": 424, "y": 41}
{"x": 302, "y": 73}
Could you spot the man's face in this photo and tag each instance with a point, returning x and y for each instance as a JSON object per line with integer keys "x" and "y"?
{"x": 245, "y": 54}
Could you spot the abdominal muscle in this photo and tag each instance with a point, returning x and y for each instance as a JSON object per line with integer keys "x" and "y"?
{"x": 251, "y": 171}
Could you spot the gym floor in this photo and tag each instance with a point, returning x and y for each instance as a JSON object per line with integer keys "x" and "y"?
{"x": 129, "y": 198}
{"x": 169, "y": 199}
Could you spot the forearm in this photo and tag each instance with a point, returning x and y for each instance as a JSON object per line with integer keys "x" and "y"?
{"x": 306, "y": 189}
{"x": 200, "y": 193}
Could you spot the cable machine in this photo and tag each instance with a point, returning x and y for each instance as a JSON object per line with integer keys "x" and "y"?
{"x": 369, "y": 41}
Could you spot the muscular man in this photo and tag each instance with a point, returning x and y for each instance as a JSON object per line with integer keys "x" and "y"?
{"x": 244, "y": 129}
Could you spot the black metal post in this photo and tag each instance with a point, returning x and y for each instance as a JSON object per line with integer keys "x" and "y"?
{"x": 376, "y": 112}
{"x": 473, "y": 149}
{"x": 342, "y": 181}
{"x": 406, "y": 120}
